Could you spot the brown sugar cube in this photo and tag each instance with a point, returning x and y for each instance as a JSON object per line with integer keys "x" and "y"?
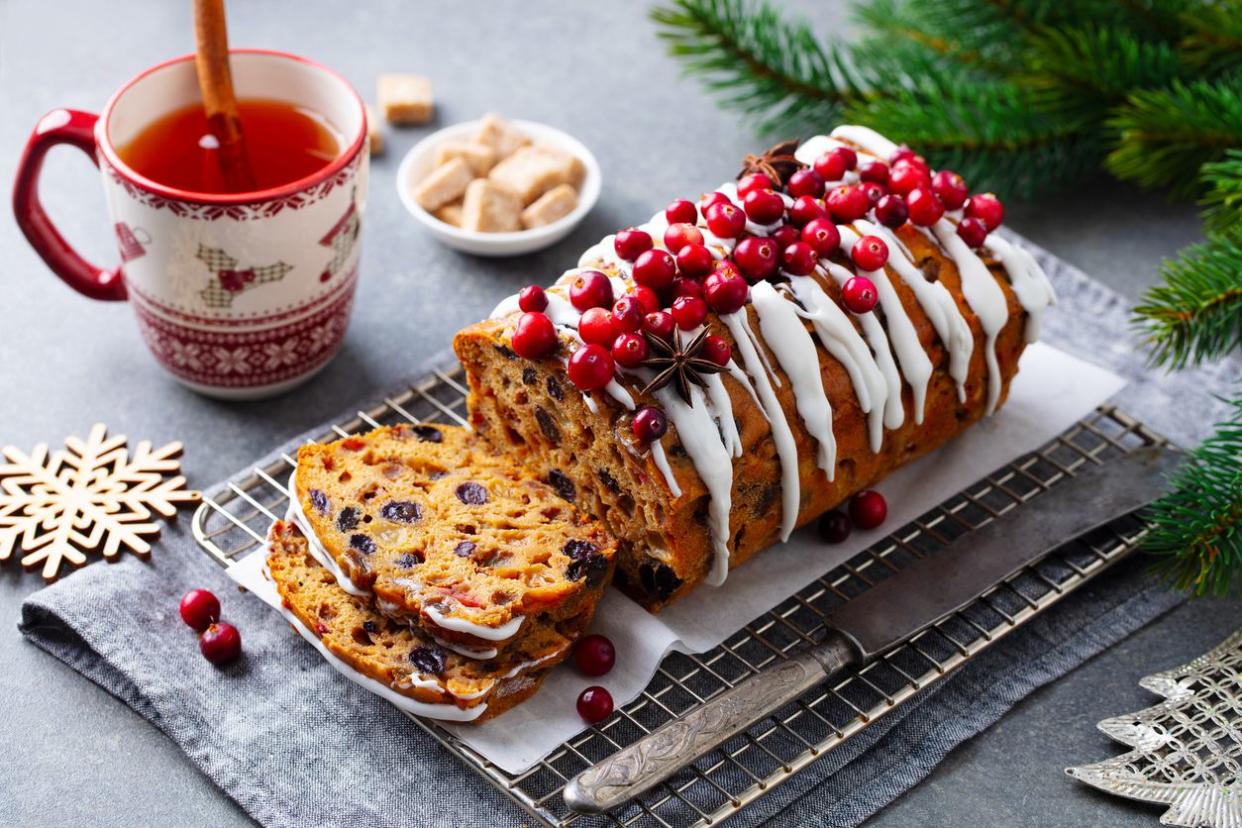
{"x": 503, "y": 137}
{"x": 375, "y": 138}
{"x": 406, "y": 99}
{"x": 530, "y": 172}
{"x": 575, "y": 170}
{"x": 450, "y": 214}
{"x": 490, "y": 208}
{"x": 481, "y": 158}
{"x": 555, "y": 203}
{"x": 445, "y": 183}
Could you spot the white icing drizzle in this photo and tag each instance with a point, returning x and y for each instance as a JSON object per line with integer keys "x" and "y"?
{"x": 468, "y": 652}
{"x": 867, "y": 138}
{"x": 744, "y": 321}
{"x": 795, "y": 351}
{"x": 894, "y": 412}
{"x": 842, "y": 340}
{"x": 661, "y": 460}
{"x": 916, "y": 366}
{"x": 502, "y": 633}
{"x": 722, "y": 411}
{"x": 984, "y": 296}
{"x": 937, "y": 303}
{"x": 786, "y": 448}
{"x": 297, "y": 517}
{"x": 1030, "y": 283}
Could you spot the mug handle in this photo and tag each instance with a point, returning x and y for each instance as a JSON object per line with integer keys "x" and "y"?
{"x": 60, "y": 126}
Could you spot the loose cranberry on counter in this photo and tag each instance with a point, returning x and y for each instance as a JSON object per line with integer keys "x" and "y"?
{"x": 756, "y": 257}
{"x": 627, "y": 313}
{"x": 594, "y": 704}
{"x": 650, "y": 424}
{"x": 972, "y": 231}
{"x": 987, "y": 208}
{"x": 661, "y": 324}
{"x": 925, "y": 207}
{"x": 834, "y": 527}
{"x": 533, "y": 299}
{"x": 859, "y": 295}
{"x": 597, "y": 325}
{"x": 725, "y": 292}
{"x": 677, "y": 236}
{"x": 590, "y": 289}
{"x": 655, "y": 269}
{"x": 725, "y": 219}
{"x": 534, "y": 336}
{"x": 681, "y": 211}
{"x": 763, "y": 206}
{"x": 590, "y": 367}
{"x": 868, "y": 509}
{"x": 799, "y": 258}
{"x": 891, "y": 211}
{"x": 630, "y": 349}
{"x": 595, "y": 655}
{"x": 847, "y": 203}
{"x": 631, "y": 242}
{"x": 220, "y": 643}
{"x": 822, "y": 235}
{"x": 951, "y": 188}
{"x": 200, "y": 609}
{"x": 689, "y": 312}
{"x": 717, "y": 349}
{"x": 695, "y": 259}
{"x": 805, "y": 182}
{"x": 869, "y": 253}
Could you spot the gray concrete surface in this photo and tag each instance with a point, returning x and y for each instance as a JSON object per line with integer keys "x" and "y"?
{"x": 72, "y": 755}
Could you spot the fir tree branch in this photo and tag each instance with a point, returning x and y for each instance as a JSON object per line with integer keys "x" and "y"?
{"x": 1213, "y": 40}
{"x": 1224, "y": 195}
{"x": 1197, "y": 527}
{"x": 1196, "y": 314}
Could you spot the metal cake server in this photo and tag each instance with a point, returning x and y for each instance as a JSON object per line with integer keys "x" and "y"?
{"x": 883, "y": 617}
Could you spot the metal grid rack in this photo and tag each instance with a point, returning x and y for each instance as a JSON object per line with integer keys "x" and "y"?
{"x": 745, "y": 768}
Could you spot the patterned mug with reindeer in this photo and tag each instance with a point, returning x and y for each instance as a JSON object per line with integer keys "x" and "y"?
{"x": 239, "y": 296}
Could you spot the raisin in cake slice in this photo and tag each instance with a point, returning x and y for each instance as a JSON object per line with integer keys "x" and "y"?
{"x": 394, "y": 661}
{"x": 450, "y": 537}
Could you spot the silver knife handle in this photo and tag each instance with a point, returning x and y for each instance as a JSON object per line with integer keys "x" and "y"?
{"x": 657, "y": 756}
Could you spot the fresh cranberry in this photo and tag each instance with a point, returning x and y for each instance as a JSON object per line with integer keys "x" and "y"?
{"x": 646, "y": 297}
{"x": 799, "y": 258}
{"x": 725, "y": 219}
{"x": 987, "y": 208}
{"x": 868, "y": 509}
{"x": 891, "y": 211}
{"x": 822, "y": 235}
{"x": 590, "y": 289}
{"x": 590, "y": 367}
{"x": 200, "y": 609}
{"x": 679, "y": 235}
{"x": 689, "y": 312}
{"x": 714, "y": 197}
{"x": 834, "y": 164}
{"x": 717, "y": 349}
{"x": 805, "y": 182}
{"x": 649, "y": 424}
{"x": 902, "y": 153}
{"x": 757, "y": 258}
{"x": 532, "y": 298}
{"x": 905, "y": 176}
{"x": 875, "y": 171}
{"x": 681, "y": 211}
{"x": 869, "y": 253}
{"x": 754, "y": 181}
{"x": 847, "y": 203}
{"x": 630, "y": 349}
{"x": 972, "y": 231}
{"x": 763, "y": 206}
{"x": 534, "y": 336}
{"x": 874, "y": 192}
{"x": 661, "y": 324}
{"x": 725, "y": 292}
{"x": 695, "y": 260}
{"x": 785, "y": 235}
{"x": 951, "y": 188}
{"x": 834, "y": 526}
{"x": 220, "y": 643}
{"x": 655, "y": 269}
{"x": 859, "y": 294}
{"x": 925, "y": 207}
{"x": 594, "y": 704}
{"x": 726, "y": 267}
{"x": 594, "y": 655}
{"x": 685, "y": 286}
{"x": 805, "y": 208}
{"x": 596, "y": 325}
{"x": 629, "y": 243}
{"x": 627, "y": 313}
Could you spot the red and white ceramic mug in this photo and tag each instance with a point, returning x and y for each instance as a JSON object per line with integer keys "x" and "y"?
{"x": 239, "y": 296}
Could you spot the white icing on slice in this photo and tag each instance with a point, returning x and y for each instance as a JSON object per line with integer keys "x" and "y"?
{"x": 786, "y": 448}
{"x": 468, "y": 652}
{"x": 843, "y": 342}
{"x": 984, "y": 296}
{"x": 936, "y": 301}
{"x": 297, "y": 517}
{"x": 1030, "y": 283}
{"x": 661, "y": 460}
{"x": 744, "y": 321}
{"x": 795, "y": 351}
{"x": 867, "y": 138}
{"x": 916, "y": 366}
{"x": 722, "y": 412}
{"x": 502, "y": 633}
{"x": 894, "y": 413}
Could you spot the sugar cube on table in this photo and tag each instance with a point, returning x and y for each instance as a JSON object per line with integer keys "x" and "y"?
{"x": 490, "y": 208}
{"x": 555, "y": 203}
{"x": 375, "y": 138}
{"x": 532, "y": 171}
{"x": 503, "y": 137}
{"x": 405, "y": 99}
{"x": 450, "y": 214}
{"x": 444, "y": 184}
{"x": 480, "y": 157}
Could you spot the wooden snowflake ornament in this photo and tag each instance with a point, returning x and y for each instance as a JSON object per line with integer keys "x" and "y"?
{"x": 92, "y": 495}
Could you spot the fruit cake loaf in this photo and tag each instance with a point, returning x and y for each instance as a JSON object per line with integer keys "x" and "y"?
{"x": 712, "y": 380}
{"x": 449, "y": 536}
{"x": 410, "y": 668}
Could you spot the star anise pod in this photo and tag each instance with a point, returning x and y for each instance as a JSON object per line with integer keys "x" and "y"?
{"x": 678, "y": 362}
{"x": 777, "y": 163}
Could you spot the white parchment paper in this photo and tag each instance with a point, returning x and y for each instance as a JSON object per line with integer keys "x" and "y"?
{"x": 1052, "y": 391}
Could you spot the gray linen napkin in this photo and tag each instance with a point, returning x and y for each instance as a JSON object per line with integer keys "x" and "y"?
{"x": 295, "y": 745}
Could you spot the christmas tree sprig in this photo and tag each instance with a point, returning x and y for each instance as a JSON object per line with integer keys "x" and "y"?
{"x": 1024, "y": 96}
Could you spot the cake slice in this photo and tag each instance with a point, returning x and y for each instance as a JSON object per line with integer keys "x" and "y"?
{"x": 393, "y": 660}
{"x": 451, "y": 537}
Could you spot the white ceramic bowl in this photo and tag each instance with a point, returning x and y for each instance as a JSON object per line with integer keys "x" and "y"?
{"x": 418, "y": 163}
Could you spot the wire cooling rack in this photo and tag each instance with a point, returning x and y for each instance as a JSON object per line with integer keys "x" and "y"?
{"x": 235, "y": 522}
